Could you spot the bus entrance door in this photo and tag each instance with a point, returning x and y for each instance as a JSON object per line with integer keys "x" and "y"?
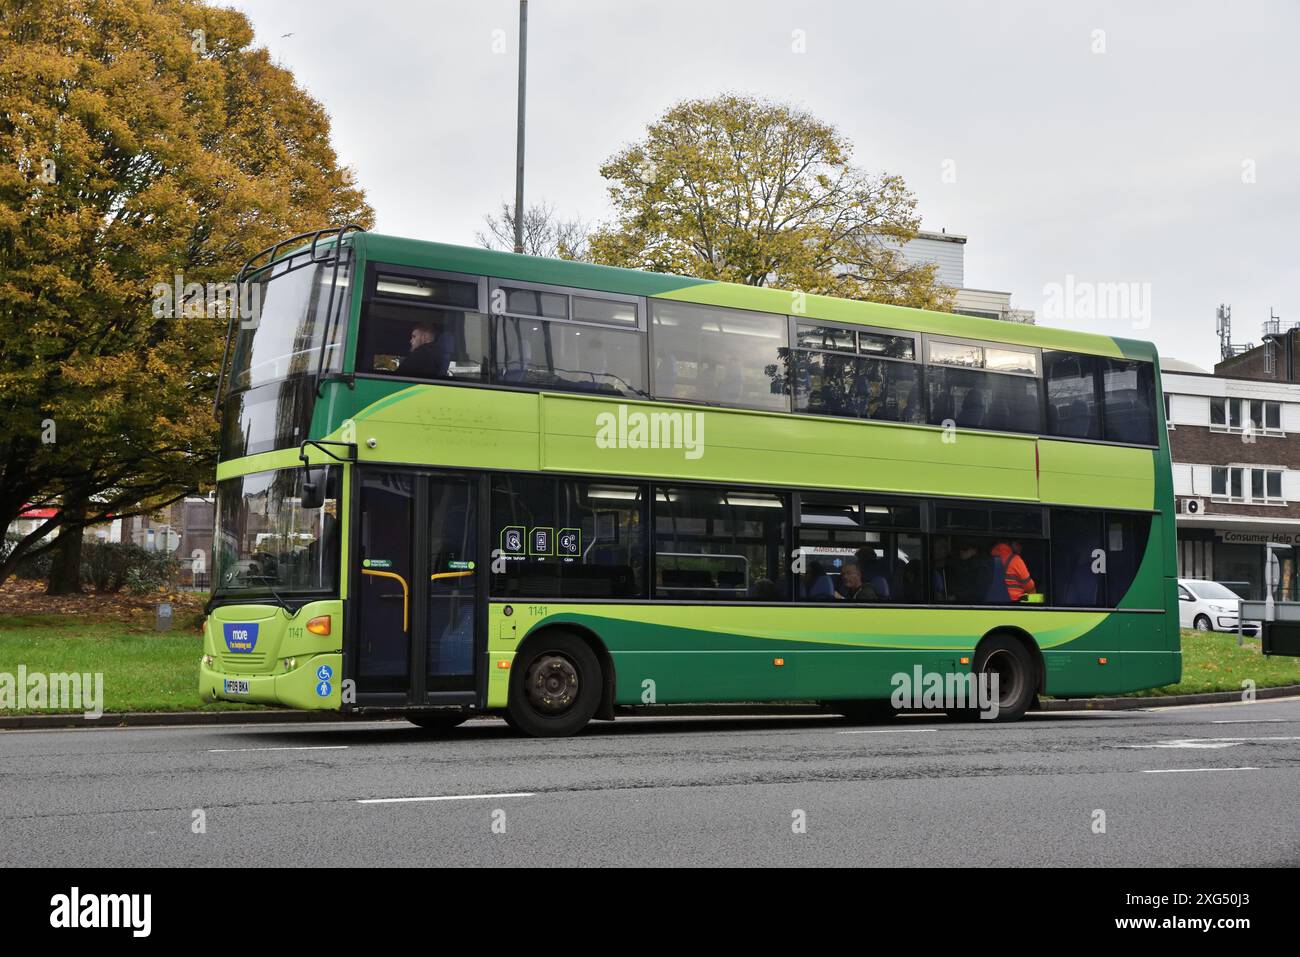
{"x": 416, "y": 586}
{"x": 451, "y": 577}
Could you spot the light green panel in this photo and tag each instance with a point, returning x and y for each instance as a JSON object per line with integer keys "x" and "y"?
{"x": 265, "y": 461}
{"x": 664, "y": 627}
{"x": 451, "y": 426}
{"x": 1105, "y": 476}
{"x": 477, "y": 428}
{"x": 795, "y": 450}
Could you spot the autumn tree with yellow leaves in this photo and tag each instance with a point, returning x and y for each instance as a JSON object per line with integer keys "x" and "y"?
{"x": 139, "y": 140}
{"x": 750, "y": 191}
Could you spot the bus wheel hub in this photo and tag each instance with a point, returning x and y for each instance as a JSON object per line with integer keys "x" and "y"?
{"x": 552, "y": 684}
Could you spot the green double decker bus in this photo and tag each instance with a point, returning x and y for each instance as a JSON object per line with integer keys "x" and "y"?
{"x": 456, "y": 481}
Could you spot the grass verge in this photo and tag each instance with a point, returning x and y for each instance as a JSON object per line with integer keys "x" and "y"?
{"x": 1213, "y": 662}
{"x": 147, "y": 671}
{"x": 143, "y": 669}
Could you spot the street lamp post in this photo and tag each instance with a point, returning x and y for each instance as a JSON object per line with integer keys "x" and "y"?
{"x": 519, "y": 142}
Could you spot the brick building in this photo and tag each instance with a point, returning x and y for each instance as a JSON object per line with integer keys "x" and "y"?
{"x": 1236, "y": 468}
{"x": 1276, "y": 359}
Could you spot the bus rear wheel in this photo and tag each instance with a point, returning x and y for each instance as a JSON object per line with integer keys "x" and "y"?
{"x": 1016, "y": 672}
{"x": 434, "y": 723}
{"x": 555, "y": 686}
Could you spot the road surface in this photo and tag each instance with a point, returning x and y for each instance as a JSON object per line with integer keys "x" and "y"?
{"x": 1213, "y": 785}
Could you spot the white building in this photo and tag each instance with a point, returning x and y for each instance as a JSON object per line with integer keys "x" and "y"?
{"x": 948, "y": 252}
{"x": 1236, "y": 475}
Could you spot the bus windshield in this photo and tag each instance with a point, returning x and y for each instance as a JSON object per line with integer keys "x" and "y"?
{"x": 287, "y": 330}
{"x": 267, "y": 543}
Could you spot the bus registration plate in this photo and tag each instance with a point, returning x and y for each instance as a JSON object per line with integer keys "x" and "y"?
{"x": 236, "y": 685}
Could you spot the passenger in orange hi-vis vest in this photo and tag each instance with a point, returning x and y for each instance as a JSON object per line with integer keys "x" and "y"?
{"x": 1019, "y": 583}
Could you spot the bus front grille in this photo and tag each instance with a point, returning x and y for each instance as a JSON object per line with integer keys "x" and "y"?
{"x": 243, "y": 664}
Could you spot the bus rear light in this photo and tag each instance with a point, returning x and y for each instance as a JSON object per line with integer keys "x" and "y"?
{"x": 319, "y": 625}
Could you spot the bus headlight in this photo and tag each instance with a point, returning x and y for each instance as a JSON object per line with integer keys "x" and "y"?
{"x": 290, "y": 664}
{"x": 207, "y": 661}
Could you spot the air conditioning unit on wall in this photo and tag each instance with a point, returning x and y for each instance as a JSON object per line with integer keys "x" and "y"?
{"x": 1191, "y": 506}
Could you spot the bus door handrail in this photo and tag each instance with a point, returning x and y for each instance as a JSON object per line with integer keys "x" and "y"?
{"x": 406, "y": 589}
{"x": 406, "y": 594}
{"x": 438, "y": 575}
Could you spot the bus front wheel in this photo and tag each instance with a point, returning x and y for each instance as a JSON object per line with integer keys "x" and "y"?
{"x": 555, "y": 685}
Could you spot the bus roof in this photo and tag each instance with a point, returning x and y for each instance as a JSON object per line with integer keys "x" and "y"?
{"x": 560, "y": 272}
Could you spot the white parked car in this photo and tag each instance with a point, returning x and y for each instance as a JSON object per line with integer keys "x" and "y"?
{"x": 1209, "y": 606}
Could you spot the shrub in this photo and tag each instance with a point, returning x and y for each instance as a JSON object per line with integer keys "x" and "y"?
{"x": 29, "y": 569}
{"x": 111, "y": 566}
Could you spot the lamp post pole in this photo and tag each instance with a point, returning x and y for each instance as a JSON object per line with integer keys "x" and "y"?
{"x": 519, "y": 141}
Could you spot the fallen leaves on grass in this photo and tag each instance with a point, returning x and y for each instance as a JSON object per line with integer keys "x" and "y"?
{"x": 22, "y": 598}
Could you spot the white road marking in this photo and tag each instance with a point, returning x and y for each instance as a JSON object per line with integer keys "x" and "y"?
{"x": 1211, "y": 742}
{"x": 889, "y": 731}
{"x": 319, "y": 747}
{"x": 1252, "y": 721}
{"x": 446, "y": 797}
{"x": 1219, "y": 704}
{"x": 1185, "y": 770}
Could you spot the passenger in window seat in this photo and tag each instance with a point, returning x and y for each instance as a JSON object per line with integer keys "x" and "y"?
{"x": 852, "y": 587}
{"x": 428, "y": 359}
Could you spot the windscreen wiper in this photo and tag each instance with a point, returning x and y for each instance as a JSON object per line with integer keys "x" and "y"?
{"x": 284, "y": 605}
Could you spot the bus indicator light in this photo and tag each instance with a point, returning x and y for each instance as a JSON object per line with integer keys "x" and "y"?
{"x": 319, "y": 625}
{"x": 779, "y": 662}
{"x": 1103, "y": 661}
{"x": 503, "y": 664}
{"x": 965, "y": 660}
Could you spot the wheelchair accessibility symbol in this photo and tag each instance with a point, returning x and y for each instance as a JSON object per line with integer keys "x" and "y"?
{"x": 325, "y": 673}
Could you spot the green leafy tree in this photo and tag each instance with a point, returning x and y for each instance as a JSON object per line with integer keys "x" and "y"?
{"x": 139, "y": 140}
{"x": 760, "y": 193}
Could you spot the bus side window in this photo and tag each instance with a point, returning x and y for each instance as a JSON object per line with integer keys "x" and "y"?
{"x": 720, "y": 545}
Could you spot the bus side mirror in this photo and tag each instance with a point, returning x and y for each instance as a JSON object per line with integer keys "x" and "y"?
{"x": 313, "y": 487}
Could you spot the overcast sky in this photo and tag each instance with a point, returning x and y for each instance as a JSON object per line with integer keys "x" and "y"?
{"x": 1131, "y": 165}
